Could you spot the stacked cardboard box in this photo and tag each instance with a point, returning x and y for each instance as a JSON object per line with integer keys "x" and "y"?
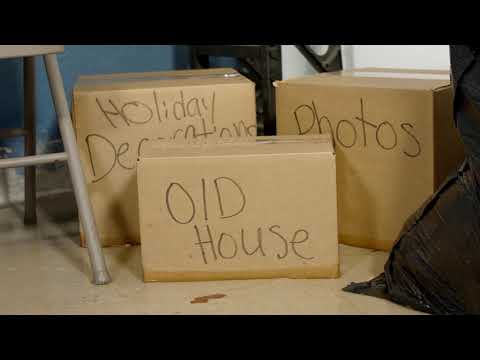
{"x": 258, "y": 209}
{"x": 394, "y": 137}
{"x": 115, "y": 116}
{"x": 172, "y": 158}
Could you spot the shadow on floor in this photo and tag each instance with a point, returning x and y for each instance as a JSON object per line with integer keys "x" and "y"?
{"x": 378, "y": 263}
{"x": 61, "y": 209}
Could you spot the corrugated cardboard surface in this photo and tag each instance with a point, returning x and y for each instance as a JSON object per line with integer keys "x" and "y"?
{"x": 116, "y": 116}
{"x": 260, "y": 209}
{"x": 394, "y": 138}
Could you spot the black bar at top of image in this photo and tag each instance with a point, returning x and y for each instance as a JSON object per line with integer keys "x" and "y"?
{"x": 243, "y": 23}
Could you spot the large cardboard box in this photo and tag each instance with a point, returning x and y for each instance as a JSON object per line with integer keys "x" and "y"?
{"x": 256, "y": 209}
{"x": 394, "y": 136}
{"x": 115, "y": 116}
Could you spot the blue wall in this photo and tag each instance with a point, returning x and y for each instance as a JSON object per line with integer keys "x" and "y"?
{"x": 76, "y": 60}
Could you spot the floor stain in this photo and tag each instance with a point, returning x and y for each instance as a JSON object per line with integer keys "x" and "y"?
{"x": 204, "y": 299}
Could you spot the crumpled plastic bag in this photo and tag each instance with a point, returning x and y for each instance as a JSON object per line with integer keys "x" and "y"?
{"x": 434, "y": 265}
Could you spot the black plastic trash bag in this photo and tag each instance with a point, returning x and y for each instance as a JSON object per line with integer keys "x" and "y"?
{"x": 434, "y": 265}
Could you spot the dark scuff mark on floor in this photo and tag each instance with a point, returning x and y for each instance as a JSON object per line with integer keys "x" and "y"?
{"x": 204, "y": 299}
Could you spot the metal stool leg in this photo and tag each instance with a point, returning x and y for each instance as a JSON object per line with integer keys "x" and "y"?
{"x": 30, "y": 217}
{"x": 97, "y": 260}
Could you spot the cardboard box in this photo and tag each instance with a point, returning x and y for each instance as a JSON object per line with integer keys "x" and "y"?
{"x": 115, "y": 116}
{"x": 394, "y": 137}
{"x": 257, "y": 209}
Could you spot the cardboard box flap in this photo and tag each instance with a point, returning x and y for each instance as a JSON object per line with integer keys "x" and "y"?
{"x": 260, "y": 145}
{"x": 403, "y": 79}
{"x": 147, "y": 80}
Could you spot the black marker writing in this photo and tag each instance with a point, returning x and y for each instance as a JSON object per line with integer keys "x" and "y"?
{"x": 108, "y": 113}
{"x": 204, "y": 104}
{"x": 111, "y": 146}
{"x": 169, "y": 207}
{"x": 223, "y": 236}
{"x": 225, "y": 245}
{"x": 406, "y": 127}
{"x": 241, "y": 129}
{"x": 225, "y": 130}
{"x": 294, "y": 242}
{"x": 259, "y": 243}
{"x": 193, "y": 108}
{"x": 139, "y": 148}
{"x": 121, "y": 152}
{"x": 213, "y": 108}
{"x": 302, "y": 131}
{"x": 145, "y": 118}
{"x": 354, "y": 132}
{"x": 195, "y": 134}
{"x": 344, "y": 132}
{"x": 378, "y": 137}
{"x": 364, "y": 122}
{"x": 320, "y": 121}
{"x": 204, "y": 196}
{"x": 182, "y": 107}
{"x": 166, "y": 109}
{"x": 157, "y": 107}
{"x": 202, "y": 243}
{"x": 285, "y": 241}
{"x": 219, "y": 196}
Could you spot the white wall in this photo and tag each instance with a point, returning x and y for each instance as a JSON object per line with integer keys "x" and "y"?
{"x": 396, "y": 56}
{"x": 293, "y": 63}
{"x": 400, "y": 56}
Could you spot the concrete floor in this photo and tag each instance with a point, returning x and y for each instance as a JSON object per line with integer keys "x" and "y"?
{"x": 44, "y": 271}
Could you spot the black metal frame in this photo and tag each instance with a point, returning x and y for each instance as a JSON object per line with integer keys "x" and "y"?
{"x": 256, "y": 63}
{"x": 330, "y": 61}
